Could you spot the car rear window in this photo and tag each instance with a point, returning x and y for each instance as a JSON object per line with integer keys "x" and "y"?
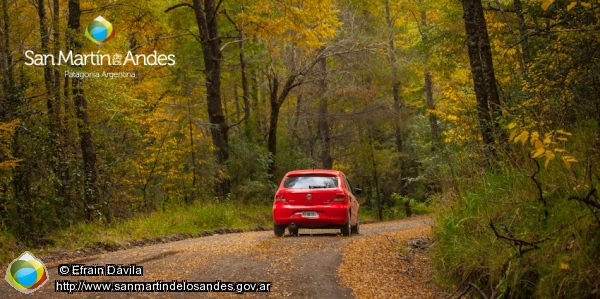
{"x": 310, "y": 182}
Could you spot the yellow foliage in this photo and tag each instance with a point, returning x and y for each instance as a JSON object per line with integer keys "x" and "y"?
{"x": 522, "y": 137}
{"x": 538, "y": 153}
{"x": 6, "y": 133}
{"x": 549, "y": 157}
{"x": 9, "y": 128}
{"x": 534, "y": 138}
{"x": 547, "y": 4}
{"x": 546, "y": 148}
{"x": 10, "y": 163}
{"x": 307, "y": 24}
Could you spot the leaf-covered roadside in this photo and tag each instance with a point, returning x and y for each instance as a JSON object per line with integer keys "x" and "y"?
{"x": 390, "y": 265}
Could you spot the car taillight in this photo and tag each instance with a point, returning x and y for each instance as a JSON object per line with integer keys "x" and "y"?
{"x": 280, "y": 198}
{"x": 339, "y": 197}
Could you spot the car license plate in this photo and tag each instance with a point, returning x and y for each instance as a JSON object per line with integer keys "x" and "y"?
{"x": 309, "y": 214}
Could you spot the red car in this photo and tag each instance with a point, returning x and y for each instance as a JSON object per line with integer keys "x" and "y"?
{"x": 315, "y": 198}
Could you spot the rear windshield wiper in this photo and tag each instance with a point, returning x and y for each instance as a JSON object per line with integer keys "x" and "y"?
{"x": 317, "y": 187}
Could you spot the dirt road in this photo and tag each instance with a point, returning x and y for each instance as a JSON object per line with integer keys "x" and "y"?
{"x": 297, "y": 267}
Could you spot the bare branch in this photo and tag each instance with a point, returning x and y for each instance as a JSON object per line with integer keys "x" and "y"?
{"x": 499, "y": 8}
{"x": 591, "y": 201}
{"x": 461, "y": 285}
{"x": 588, "y": 199}
{"x": 518, "y": 242}
{"x": 479, "y": 290}
{"x": 539, "y": 187}
{"x": 179, "y": 5}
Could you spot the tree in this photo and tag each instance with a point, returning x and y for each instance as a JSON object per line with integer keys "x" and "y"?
{"x": 287, "y": 29}
{"x": 482, "y": 69}
{"x": 326, "y": 159}
{"x": 88, "y": 149}
{"x": 206, "y": 13}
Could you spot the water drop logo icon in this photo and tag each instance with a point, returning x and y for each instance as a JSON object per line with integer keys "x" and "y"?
{"x": 27, "y": 274}
{"x": 99, "y": 30}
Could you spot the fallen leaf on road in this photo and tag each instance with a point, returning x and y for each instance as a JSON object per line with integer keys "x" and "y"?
{"x": 389, "y": 265}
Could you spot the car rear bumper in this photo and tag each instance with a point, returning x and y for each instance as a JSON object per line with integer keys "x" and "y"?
{"x": 327, "y": 216}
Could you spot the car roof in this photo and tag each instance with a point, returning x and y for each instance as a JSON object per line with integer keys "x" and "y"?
{"x": 313, "y": 172}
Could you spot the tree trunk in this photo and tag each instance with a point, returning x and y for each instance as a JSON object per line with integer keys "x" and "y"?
{"x": 487, "y": 63}
{"x": 88, "y": 150}
{"x": 45, "y": 47}
{"x": 273, "y": 120}
{"x": 523, "y": 33}
{"x": 398, "y": 105}
{"x": 276, "y": 99}
{"x": 206, "y": 19}
{"x": 433, "y": 122}
{"x": 326, "y": 160}
{"x": 473, "y": 22}
{"x": 192, "y": 153}
{"x": 6, "y": 62}
{"x": 6, "y": 82}
{"x": 297, "y": 114}
{"x": 7, "y": 77}
{"x": 375, "y": 176}
{"x": 245, "y": 84}
{"x": 56, "y": 91}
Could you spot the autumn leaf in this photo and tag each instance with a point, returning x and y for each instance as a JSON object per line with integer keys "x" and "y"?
{"x": 539, "y": 144}
{"x": 512, "y": 136}
{"x": 535, "y": 137}
{"x": 522, "y": 137}
{"x": 548, "y": 138}
{"x": 563, "y": 132}
{"x": 567, "y": 160}
{"x": 567, "y": 165}
{"x": 547, "y": 4}
{"x": 538, "y": 153}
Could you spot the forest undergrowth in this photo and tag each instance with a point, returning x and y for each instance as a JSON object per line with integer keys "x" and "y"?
{"x": 521, "y": 230}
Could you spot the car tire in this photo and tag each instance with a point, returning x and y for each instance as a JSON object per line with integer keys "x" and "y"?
{"x": 279, "y": 230}
{"x": 293, "y": 232}
{"x": 355, "y": 228}
{"x": 347, "y": 229}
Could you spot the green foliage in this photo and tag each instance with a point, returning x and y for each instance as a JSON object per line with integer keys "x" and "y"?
{"x": 9, "y": 245}
{"x": 290, "y": 157}
{"x": 248, "y": 166}
{"x": 545, "y": 244}
{"x": 176, "y": 219}
{"x": 396, "y": 211}
{"x": 417, "y": 207}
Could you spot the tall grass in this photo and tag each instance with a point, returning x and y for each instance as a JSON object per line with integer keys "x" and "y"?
{"x": 545, "y": 245}
{"x": 185, "y": 221}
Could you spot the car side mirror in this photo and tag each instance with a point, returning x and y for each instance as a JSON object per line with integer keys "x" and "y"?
{"x": 357, "y": 191}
